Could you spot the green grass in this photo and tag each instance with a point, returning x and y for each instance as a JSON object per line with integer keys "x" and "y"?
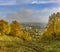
{"x": 14, "y": 44}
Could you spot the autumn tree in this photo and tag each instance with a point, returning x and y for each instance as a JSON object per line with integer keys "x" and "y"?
{"x": 4, "y": 27}
{"x": 53, "y": 26}
{"x": 15, "y": 29}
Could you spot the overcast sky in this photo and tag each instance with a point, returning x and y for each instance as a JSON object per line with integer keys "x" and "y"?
{"x": 28, "y": 10}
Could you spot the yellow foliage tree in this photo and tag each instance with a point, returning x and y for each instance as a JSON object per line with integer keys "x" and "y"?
{"x": 26, "y": 36}
{"x": 4, "y": 27}
{"x": 15, "y": 29}
{"x": 53, "y": 26}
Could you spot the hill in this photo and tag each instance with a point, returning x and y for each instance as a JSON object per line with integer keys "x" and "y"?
{"x": 49, "y": 41}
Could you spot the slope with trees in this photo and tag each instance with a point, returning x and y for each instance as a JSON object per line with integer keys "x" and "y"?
{"x": 53, "y": 27}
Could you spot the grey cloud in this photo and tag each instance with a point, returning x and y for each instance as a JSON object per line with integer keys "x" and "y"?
{"x": 29, "y": 16}
{"x": 33, "y": 15}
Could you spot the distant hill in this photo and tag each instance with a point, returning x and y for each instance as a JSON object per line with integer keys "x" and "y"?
{"x": 35, "y": 25}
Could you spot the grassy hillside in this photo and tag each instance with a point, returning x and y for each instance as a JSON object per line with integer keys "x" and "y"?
{"x": 14, "y": 44}
{"x": 13, "y": 39}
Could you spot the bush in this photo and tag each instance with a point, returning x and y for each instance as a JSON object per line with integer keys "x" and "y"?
{"x": 26, "y": 36}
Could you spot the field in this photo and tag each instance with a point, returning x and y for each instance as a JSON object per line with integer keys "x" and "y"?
{"x": 14, "y": 44}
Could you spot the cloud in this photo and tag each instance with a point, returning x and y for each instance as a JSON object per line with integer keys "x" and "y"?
{"x": 8, "y": 2}
{"x": 55, "y": 9}
{"x": 45, "y": 2}
{"x": 38, "y": 1}
{"x": 52, "y": 10}
{"x": 30, "y": 15}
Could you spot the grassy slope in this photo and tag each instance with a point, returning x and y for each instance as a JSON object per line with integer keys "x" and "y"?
{"x": 14, "y": 44}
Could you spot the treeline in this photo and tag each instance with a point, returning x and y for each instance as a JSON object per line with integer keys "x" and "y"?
{"x": 52, "y": 30}
{"x": 13, "y": 29}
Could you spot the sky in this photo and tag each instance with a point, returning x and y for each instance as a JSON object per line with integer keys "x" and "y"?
{"x": 28, "y": 10}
